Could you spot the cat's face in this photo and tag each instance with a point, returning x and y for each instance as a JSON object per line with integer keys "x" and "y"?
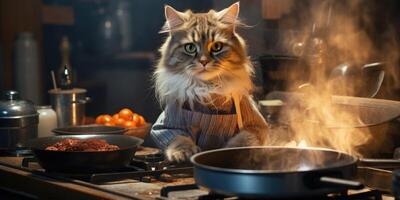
{"x": 203, "y": 45}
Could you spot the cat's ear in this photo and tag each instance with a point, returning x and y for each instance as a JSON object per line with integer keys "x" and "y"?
{"x": 229, "y": 15}
{"x": 173, "y": 18}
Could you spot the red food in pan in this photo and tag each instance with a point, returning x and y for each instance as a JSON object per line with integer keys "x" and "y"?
{"x": 71, "y": 144}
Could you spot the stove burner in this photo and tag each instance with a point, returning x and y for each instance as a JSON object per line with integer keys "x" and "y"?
{"x": 150, "y": 162}
{"x": 156, "y": 157}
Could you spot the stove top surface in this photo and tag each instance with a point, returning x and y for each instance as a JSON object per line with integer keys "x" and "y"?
{"x": 150, "y": 177}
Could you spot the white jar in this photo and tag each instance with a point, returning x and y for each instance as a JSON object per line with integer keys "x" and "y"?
{"x": 47, "y": 121}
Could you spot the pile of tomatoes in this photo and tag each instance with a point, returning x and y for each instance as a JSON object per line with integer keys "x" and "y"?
{"x": 124, "y": 118}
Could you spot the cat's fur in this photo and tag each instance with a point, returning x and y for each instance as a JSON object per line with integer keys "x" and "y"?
{"x": 176, "y": 78}
{"x": 201, "y": 78}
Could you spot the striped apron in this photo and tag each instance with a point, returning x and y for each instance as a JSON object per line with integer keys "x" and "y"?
{"x": 207, "y": 130}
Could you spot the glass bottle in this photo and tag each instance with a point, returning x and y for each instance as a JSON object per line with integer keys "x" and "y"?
{"x": 65, "y": 74}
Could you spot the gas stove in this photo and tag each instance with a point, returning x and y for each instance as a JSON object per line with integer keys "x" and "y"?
{"x": 144, "y": 168}
{"x": 149, "y": 176}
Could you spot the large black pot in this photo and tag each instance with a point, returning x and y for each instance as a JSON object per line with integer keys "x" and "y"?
{"x": 274, "y": 172}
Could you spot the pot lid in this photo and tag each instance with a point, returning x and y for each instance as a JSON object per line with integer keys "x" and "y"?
{"x": 11, "y": 106}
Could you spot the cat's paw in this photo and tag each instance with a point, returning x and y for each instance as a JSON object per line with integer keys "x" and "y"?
{"x": 181, "y": 149}
{"x": 242, "y": 139}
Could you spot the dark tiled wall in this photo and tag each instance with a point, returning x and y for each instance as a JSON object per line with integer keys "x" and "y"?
{"x": 102, "y": 58}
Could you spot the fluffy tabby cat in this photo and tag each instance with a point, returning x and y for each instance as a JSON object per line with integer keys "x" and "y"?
{"x": 203, "y": 80}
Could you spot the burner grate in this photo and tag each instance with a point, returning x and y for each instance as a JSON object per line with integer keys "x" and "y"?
{"x": 145, "y": 171}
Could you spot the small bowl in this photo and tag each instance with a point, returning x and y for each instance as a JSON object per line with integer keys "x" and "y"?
{"x": 93, "y": 129}
{"x": 139, "y": 132}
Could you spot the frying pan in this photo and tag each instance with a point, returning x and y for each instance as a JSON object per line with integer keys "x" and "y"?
{"x": 275, "y": 172}
{"x": 85, "y": 162}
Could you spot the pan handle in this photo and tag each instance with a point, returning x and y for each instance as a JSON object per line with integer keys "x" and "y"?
{"x": 379, "y": 163}
{"x": 341, "y": 182}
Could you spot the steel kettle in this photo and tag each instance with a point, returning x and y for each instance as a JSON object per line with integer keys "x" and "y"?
{"x": 18, "y": 121}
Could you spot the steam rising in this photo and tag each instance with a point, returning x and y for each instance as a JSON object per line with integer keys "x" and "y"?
{"x": 334, "y": 33}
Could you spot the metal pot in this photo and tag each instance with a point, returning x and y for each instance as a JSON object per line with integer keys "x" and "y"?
{"x": 18, "y": 121}
{"x": 69, "y": 106}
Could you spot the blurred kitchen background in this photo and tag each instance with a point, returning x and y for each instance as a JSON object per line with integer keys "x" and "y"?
{"x": 111, "y": 45}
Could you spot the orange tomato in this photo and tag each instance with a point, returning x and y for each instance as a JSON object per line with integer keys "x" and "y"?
{"x": 111, "y": 123}
{"x": 115, "y": 117}
{"x": 126, "y": 114}
{"x": 100, "y": 119}
{"x": 119, "y": 122}
{"x": 136, "y": 118}
{"x": 130, "y": 124}
{"x": 107, "y": 118}
{"x": 142, "y": 121}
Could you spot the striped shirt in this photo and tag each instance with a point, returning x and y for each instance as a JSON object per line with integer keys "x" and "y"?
{"x": 209, "y": 129}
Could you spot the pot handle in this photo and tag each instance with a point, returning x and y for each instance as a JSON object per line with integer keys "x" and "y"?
{"x": 341, "y": 182}
{"x": 82, "y": 101}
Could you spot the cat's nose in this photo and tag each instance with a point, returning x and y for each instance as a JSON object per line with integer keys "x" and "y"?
{"x": 203, "y": 61}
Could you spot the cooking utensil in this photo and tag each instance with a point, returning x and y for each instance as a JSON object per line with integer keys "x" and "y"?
{"x": 85, "y": 162}
{"x": 18, "y": 121}
{"x": 371, "y": 117}
{"x": 90, "y": 130}
{"x": 368, "y": 112}
{"x": 352, "y": 80}
{"x": 274, "y": 172}
{"x": 69, "y": 106}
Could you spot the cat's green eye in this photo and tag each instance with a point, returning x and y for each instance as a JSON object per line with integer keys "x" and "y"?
{"x": 190, "y": 48}
{"x": 216, "y": 46}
